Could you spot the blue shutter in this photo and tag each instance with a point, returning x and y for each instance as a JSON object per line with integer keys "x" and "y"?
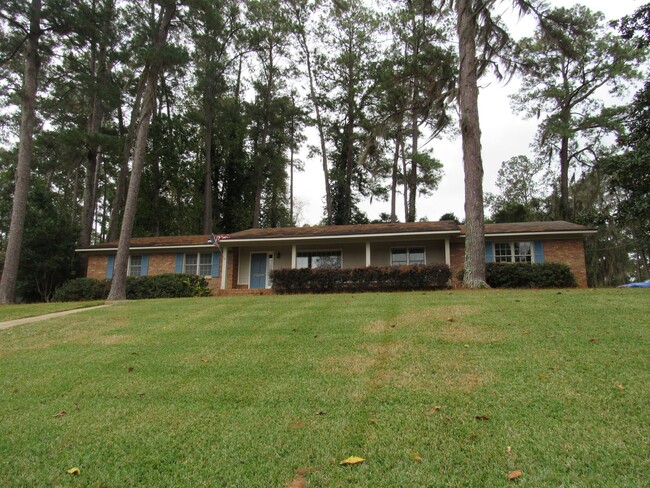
{"x": 179, "y": 263}
{"x": 216, "y": 260}
{"x": 144, "y": 270}
{"x": 110, "y": 263}
{"x": 538, "y": 250}
{"x": 489, "y": 252}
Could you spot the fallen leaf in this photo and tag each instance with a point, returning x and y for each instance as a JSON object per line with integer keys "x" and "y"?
{"x": 450, "y": 319}
{"x": 316, "y": 336}
{"x": 76, "y": 406}
{"x": 298, "y": 482}
{"x": 434, "y": 409}
{"x": 392, "y": 326}
{"x": 543, "y": 377}
{"x": 416, "y": 456}
{"x": 551, "y": 337}
{"x": 482, "y": 417}
{"x": 297, "y": 425}
{"x": 594, "y": 340}
{"x": 372, "y": 421}
{"x": 141, "y": 394}
{"x": 321, "y": 412}
{"x": 513, "y": 475}
{"x": 352, "y": 460}
{"x": 130, "y": 370}
{"x": 472, "y": 437}
{"x": 619, "y": 386}
{"x": 62, "y": 413}
{"x": 74, "y": 471}
{"x": 517, "y": 301}
{"x": 205, "y": 360}
{"x": 509, "y": 449}
{"x": 466, "y": 346}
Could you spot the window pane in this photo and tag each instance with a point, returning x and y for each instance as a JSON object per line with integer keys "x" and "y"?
{"x": 416, "y": 255}
{"x": 398, "y": 257}
{"x": 135, "y": 265}
{"x": 205, "y": 264}
{"x": 302, "y": 261}
{"x": 502, "y": 252}
{"x": 190, "y": 263}
{"x": 318, "y": 259}
{"x": 523, "y": 252}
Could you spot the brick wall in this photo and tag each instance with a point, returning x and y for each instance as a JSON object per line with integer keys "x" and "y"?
{"x": 96, "y": 267}
{"x": 570, "y": 252}
{"x": 457, "y": 259}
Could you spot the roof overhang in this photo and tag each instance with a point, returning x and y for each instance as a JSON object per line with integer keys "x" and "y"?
{"x": 348, "y": 237}
{"x": 148, "y": 248}
{"x": 541, "y": 233}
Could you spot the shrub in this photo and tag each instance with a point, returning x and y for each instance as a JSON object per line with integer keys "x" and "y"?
{"x": 137, "y": 288}
{"x": 323, "y": 280}
{"x": 81, "y": 289}
{"x": 527, "y": 275}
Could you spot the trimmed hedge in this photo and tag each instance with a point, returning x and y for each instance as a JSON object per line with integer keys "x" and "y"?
{"x": 527, "y": 275}
{"x": 323, "y": 280}
{"x": 137, "y": 288}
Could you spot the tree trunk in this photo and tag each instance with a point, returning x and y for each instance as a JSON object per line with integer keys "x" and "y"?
{"x": 118, "y": 200}
{"x": 564, "y": 178}
{"x": 118, "y": 286}
{"x": 471, "y": 136}
{"x": 393, "y": 186}
{"x": 207, "y": 190}
{"x": 27, "y": 123}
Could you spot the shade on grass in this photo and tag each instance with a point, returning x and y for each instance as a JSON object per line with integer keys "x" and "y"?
{"x": 246, "y": 391}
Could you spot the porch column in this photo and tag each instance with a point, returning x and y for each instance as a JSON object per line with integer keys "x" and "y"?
{"x": 224, "y": 268}
{"x": 447, "y": 252}
{"x": 367, "y": 253}
{"x": 294, "y": 257}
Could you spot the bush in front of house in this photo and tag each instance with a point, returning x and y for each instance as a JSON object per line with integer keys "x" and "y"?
{"x": 324, "y": 280}
{"x": 169, "y": 285}
{"x": 137, "y": 288}
{"x": 527, "y": 275}
{"x": 82, "y": 289}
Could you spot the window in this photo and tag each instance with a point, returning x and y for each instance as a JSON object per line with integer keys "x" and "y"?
{"x": 198, "y": 264}
{"x": 405, "y": 256}
{"x": 318, "y": 259}
{"x": 135, "y": 266}
{"x": 513, "y": 252}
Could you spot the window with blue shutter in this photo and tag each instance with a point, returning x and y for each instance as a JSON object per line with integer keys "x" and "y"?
{"x": 144, "y": 269}
{"x": 216, "y": 261}
{"x": 179, "y": 263}
{"x": 489, "y": 252}
{"x": 110, "y": 264}
{"x": 538, "y": 251}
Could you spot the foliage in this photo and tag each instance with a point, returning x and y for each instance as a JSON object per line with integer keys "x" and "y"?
{"x": 80, "y": 289}
{"x": 527, "y": 275}
{"x": 326, "y": 280}
{"x": 169, "y": 285}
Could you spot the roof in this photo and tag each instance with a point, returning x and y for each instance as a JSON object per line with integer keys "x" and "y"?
{"x": 551, "y": 227}
{"x": 445, "y": 228}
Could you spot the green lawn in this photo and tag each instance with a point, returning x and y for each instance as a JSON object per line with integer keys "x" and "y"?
{"x": 250, "y": 391}
{"x": 11, "y": 312}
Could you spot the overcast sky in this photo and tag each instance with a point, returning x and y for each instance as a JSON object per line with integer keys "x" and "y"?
{"x": 504, "y": 135}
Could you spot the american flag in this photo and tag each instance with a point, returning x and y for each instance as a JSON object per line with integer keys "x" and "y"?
{"x": 216, "y": 238}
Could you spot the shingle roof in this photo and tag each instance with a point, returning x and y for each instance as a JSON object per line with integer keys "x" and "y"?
{"x": 347, "y": 230}
{"x": 534, "y": 228}
{"x": 443, "y": 227}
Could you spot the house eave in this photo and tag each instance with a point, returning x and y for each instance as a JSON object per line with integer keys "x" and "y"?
{"x": 397, "y": 235}
{"x": 148, "y": 248}
{"x": 539, "y": 233}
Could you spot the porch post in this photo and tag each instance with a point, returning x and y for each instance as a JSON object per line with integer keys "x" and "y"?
{"x": 294, "y": 256}
{"x": 224, "y": 268}
{"x": 367, "y": 253}
{"x": 447, "y": 252}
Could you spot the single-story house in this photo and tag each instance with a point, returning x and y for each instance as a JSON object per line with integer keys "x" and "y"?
{"x": 243, "y": 260}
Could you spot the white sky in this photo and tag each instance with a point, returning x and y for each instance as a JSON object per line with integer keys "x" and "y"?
{"x": 504, "y": 135}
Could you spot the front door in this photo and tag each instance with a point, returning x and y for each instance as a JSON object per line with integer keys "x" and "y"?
{"x": 258, "y": 270}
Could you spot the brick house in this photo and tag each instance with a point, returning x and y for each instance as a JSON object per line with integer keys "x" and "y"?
{"x": 244, "y": 259}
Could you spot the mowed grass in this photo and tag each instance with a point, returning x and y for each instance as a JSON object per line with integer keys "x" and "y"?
{"x": 11, "y": 312}
{"x": 263, "y": 391}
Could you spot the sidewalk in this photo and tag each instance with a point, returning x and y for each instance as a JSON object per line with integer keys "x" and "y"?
{"x": 38, "y": 318}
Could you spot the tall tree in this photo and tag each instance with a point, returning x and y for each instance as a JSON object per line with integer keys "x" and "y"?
{"x": 32, "y": 34}
{"x": 565, "y": 86}
{"x": 118, "y": 285}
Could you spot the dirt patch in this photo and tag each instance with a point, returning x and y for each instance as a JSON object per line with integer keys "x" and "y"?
{"x": 352, "y": 364}
{"x": 428, "y": 316}
{"x": 111, "y": 339}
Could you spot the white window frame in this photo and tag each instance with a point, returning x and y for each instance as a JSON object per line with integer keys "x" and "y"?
{"x": 408, "y": 255}
{"x": 198, "y": 263}
{"x": 512, "y": 256}
{"x": 340, "y": 251}
{"x": 129, "y": 269}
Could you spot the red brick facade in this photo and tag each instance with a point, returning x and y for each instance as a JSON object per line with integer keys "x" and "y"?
{"x": 569, "y": 252}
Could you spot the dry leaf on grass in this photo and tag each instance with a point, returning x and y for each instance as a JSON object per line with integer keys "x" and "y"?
{"x": 62, "y": 413}
{"x": 321, "y": 412}
{"x": 543, "y": 377}
{"x": 513, "y": 475}
{"x": 74, "y": 471}
{"x": 205, "y": 360}
{"x": 594, "y": 340}
{"x": 508, "y": 449}
{"x": 416, "y": 456}
{"x": 482, "y": 417}
{"x": 130, "y": 370}
{"x": 352, "y": 460}
{"x": 619, "y": 386}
